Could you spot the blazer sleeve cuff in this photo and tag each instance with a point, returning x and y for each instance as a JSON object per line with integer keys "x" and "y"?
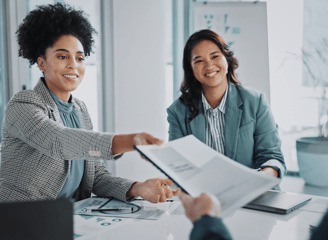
{"x": 99, "y": 147}
{"x": 128, "y": 184}
{"x": 275, "y": 164}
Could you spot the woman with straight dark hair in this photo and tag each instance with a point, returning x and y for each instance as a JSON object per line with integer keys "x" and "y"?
{"x": 230, "y": 118}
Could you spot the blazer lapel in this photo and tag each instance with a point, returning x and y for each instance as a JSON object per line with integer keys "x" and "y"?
{"x": 197, "y": 125}
{"x": 43, "y": 91}
{"x": 80, "y": 115}
{"x": 232, "y": 121}
{"x": 85, "y": 188}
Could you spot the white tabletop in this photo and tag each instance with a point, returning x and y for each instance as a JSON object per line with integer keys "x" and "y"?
{"x": 244, "y": 224}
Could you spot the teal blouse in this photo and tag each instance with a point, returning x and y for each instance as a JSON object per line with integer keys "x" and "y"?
{"x": 71, "y": 120}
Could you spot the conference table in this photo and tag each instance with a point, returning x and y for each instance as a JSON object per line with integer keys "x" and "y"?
{"x": 244, "y": 224}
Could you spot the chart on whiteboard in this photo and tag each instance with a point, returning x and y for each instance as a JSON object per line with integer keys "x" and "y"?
{"x": 243, "y": 25}
{"x": 221, "y": 23}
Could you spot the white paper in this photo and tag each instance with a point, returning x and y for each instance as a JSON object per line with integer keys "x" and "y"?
{"x": 88, "y": 227}
{"x": 198, "y": 168}
{"x": 140, "y": 209}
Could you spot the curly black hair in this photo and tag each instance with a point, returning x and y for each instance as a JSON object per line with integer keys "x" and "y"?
{"x": 42, "y": 27}
{"x": 191, "y": 88}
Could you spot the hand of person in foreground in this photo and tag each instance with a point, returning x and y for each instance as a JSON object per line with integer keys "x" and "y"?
{"x": 205, "y": 204}
{"x": 153, "y": 190}
{"x": 124, "y": 142}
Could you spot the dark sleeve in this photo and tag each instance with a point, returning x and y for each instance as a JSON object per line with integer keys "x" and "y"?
{"x": 322, "y": 230}
{"x": 210, "y": 228}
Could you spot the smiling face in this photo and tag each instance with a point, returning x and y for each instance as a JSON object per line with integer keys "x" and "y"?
{"x": 209, "y": 65}
{"x": 63, "y": 66}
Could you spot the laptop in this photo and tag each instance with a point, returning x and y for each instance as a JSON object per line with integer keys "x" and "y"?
{"x": 51, "y": 220}
{"x": 278, "y": 202}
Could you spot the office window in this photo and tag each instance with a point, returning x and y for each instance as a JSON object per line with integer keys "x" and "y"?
{"x": 296, "y": 26}
{"x": 3, "y": 66}
{"x": 88, "y": 89}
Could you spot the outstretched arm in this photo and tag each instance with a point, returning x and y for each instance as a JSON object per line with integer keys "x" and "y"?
{"x": 29, "y": 120}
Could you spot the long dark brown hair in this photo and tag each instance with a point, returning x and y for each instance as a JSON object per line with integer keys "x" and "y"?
{"x": 191, "y": 88}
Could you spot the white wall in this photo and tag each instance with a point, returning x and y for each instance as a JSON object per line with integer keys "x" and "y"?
{"x": 285, "y": 29}
{"x": 139, "y": 77}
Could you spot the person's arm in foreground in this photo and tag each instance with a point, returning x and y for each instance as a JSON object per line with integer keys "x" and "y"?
{"x": 321, "y": 232}
{"x": 203, "y": 212}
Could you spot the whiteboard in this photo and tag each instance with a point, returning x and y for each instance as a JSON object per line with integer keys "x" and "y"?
{"x": 243, "y": 25}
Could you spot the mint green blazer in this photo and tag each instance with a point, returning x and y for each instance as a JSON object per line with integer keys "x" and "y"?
{"x": 251, "y": 133}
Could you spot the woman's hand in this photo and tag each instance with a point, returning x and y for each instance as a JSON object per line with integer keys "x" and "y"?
{"x": 124, "y": 143}
{"x": 270, "y": 171}
{"x": 146, "y": 139}
{"x": 205, "y": 204}
{"x": 153, "y": 190}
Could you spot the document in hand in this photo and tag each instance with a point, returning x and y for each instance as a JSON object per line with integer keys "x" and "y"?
{"x": 197, "y": 168}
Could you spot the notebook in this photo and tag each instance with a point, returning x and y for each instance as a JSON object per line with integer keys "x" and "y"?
{"x": 278, "y": 202}
{"x": 37, "y": 220}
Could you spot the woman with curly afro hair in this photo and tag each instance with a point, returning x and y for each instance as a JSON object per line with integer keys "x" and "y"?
{"x": 49, "y": 150}
{"x": 230, "y": 118}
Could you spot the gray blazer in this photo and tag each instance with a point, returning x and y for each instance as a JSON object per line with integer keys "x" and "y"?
{"x": 36, "y": 147}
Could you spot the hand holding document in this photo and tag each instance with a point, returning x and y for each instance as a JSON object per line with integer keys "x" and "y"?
{"x": 197, "y": 168}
